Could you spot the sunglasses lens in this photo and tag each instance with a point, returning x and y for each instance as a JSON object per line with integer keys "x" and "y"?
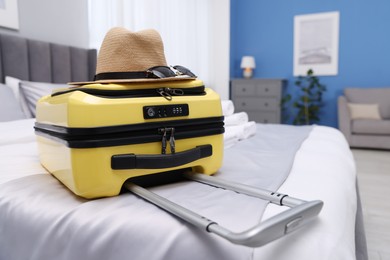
{"x": 184, "y": 70}
{"x": 165, "y": 72}
{"x": 162, "y": 72}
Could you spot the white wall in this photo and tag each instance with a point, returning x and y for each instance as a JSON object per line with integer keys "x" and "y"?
{"x": 66, "y": 22}
{"x": 221, "y": 48}
{"x": 58, "y": 21}
{"x": 183, "y": 44}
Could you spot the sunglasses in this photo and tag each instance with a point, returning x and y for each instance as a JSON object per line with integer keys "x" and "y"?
{"x": 158, "y": 72}
{"x": 169, "y": 71}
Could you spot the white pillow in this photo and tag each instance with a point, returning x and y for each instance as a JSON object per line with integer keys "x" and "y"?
{"x": 31, "y": 92}
{"x": 13, "y": 84}
{"x": 364, "y": 111}
{"x": 9, "y": 106}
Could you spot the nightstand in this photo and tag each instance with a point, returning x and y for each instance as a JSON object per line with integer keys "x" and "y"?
{"x": 260, "y": 98}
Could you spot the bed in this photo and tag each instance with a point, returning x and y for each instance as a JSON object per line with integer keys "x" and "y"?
{"x": 41, "y": 219}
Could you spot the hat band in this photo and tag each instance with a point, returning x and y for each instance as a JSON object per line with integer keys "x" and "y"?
{"x": 123, "y": 75}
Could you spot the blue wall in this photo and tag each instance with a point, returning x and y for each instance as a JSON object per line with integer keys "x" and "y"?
{"x": 264, "y": 29}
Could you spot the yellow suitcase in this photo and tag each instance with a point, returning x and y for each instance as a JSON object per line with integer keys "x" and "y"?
{"x": 94, "y": 137}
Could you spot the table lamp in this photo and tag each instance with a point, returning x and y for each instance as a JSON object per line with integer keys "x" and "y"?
{"x": 248, "y": 64}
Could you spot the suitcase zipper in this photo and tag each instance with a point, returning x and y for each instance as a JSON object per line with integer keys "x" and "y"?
{"x": 164, "y": 132}
{"x": 88, "y": 138}
{"x": 165, "y": 92}
{"x": 164, "y": 141}
{"x": 172, "y": 141}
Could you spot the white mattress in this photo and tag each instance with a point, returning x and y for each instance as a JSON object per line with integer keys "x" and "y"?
{"x": 323, "y": 169}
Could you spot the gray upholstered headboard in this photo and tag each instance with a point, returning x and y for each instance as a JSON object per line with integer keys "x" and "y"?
{"x": 40, "y": 61}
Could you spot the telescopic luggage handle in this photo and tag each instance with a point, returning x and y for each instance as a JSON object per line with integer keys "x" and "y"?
{"x": 300, "y": 212}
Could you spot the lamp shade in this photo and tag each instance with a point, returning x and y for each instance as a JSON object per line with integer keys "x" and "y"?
{"x": 248, "y": 62}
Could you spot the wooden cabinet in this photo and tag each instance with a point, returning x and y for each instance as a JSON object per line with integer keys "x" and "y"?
{"x": 260, "y": 98}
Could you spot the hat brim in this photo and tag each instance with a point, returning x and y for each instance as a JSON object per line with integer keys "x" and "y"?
{"x": 133, "y": 80}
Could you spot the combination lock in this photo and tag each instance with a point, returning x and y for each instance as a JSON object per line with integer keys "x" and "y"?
{"x": 151, "y": 112}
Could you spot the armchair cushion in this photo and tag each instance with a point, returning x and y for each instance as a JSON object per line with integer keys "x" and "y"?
{"x": 371, "y": 126}
{"x": 364, "y": 111}
{"x": 380, "y": 96}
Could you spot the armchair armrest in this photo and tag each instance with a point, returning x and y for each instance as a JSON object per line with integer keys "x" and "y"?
{"x": 344, "y": 117}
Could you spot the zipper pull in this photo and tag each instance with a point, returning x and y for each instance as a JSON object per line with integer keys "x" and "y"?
{"x": 164, "y": 93}
{"x": 167, "y": 93}
{"x": 172, "y": 141}
{"x": 164, "y": 141}
{"x": 176, "y": 91}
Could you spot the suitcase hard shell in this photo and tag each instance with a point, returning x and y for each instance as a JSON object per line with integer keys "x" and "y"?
{"x": 95, "y": 137}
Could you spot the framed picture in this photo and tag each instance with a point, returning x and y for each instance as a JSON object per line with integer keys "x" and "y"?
{"x": 316, "y": 43}
{"x": 9, "y": 14}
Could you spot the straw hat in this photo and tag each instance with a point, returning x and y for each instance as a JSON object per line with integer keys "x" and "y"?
{"x": 127, "y": 56}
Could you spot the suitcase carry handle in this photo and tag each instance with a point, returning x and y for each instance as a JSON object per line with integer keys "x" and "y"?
{"x": 300, "y": 213}
{"x": 159, "y": 161}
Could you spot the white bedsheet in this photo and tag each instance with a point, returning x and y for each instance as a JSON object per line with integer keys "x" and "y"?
{"x": 18, "y": 150}
{"x": 323, "y": 169}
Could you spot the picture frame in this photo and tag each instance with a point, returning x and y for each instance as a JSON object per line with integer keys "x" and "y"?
{"x": 9, "y": 14}
{"x": 316, "y": 43}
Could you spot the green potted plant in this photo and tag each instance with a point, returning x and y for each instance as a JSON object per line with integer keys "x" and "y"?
{"x": 309, "y": 100}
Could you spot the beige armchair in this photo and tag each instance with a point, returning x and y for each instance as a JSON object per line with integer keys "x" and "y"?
{"x": 364, "y": 117}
